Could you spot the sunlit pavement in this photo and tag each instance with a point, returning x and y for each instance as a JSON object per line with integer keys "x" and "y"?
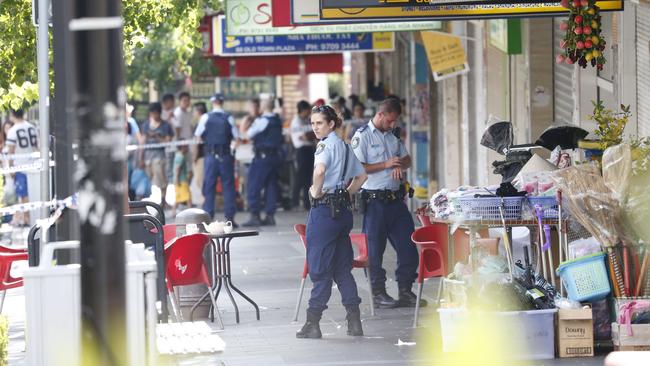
{"x": 268, "y": 269}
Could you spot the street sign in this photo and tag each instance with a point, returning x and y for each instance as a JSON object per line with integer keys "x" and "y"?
{"x": 226, "y": 45}
{"x": 445, "y": 53}
{"x": 396, "y": 10}
{"x": 254, "y": 17}
{"x": 35, "y": 13}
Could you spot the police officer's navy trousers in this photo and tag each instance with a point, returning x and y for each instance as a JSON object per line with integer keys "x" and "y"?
{"x": 392, "y": 221}
{"x": 263, "y": 174}
{"x": 329, "y": 258}
{"x": 222, "y": 167}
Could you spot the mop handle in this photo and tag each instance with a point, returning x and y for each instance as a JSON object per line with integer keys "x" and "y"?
{"x": 643, "y": 272}
{"x": 506, "y": 240}
{"x": 541, "y": 241}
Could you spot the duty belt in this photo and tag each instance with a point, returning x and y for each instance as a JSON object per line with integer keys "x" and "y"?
{"x": 382, "y": 194}
{"x": 218, "y": 150}
{"x": 264, "y": 152}
{"x": 335, "y": 201}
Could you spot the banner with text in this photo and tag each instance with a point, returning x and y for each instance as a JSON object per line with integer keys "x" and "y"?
{"x": 446, "y": 54}
{"x": 396, "y": 10}
{"x": 226, "y": 45}
{"x": 254, "y": 17}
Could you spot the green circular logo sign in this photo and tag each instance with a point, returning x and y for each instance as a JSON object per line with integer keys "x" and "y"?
{"x": 239, "y": 14}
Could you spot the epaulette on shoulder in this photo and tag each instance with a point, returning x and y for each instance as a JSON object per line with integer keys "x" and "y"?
{"x": 362, "y": 128}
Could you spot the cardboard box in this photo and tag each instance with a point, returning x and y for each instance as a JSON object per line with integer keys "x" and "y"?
{"x": 638, "y": 341}
{"x": 575, "y": 333}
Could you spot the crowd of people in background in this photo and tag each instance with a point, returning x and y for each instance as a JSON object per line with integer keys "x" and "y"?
{"x": 207, "y": 166}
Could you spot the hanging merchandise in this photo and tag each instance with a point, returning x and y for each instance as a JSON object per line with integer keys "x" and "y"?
{"x": 566, "y": 137}
{"x": 582, "y": 42}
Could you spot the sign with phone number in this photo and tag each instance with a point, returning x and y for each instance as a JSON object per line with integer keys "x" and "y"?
{"x": 299, "y": 44}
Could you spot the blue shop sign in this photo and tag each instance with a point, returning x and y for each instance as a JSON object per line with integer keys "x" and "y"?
{"x": 299, "y": 44}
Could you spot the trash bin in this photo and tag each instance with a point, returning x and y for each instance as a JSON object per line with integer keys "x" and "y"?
{"x": 189, "y": 295}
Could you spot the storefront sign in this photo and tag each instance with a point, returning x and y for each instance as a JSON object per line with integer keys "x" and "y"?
{"x": 446, "y": 55}
{"x": 226, "y": 45}
{"x": 254, "y": 17}
{"x": 245, "y": 88}
{"x": 395, "y": 10}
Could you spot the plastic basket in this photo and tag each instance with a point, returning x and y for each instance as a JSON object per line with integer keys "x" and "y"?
{"x": 548, "y": 204}
{"x": 487, "y": 208}
{"x": 585, "y": 278}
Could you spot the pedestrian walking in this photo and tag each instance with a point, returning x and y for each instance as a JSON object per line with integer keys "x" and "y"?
{"x": 266, "y": 134}
{"x": 9, "y": 193}
{"x": 304, "y": 144}
{"x": 21, "y": 139}
{"x": 357, "y": 121}
{"x": 386, "y": 160}
{"x": 329, "y": 250}
{"x": 156, "y": 130}
{"x": 168, "y": 103}
{"x": 200, "y": 113}
{"x": 181, "y": 179}
{"x": 217, "y": 133}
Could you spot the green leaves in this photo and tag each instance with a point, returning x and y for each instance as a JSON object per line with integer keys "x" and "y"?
{"x": 167, "y": 28}
{"x": 610, "y": 123}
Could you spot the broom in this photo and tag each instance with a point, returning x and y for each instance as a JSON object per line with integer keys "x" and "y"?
{"x": 595, "y": 207}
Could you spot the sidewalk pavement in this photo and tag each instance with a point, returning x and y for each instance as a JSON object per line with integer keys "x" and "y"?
{"x": 267, "y": 268}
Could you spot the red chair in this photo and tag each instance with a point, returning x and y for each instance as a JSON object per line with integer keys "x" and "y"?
{"x": 424, "y": 219}
{"x": 184, "y": 265}
{"x": 169, "y": 232}
{"x": 428, "y": 240}
{"x": 360, "y": 241}
{"x": 7, "y": 257}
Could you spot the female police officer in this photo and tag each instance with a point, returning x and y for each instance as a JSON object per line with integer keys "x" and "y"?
{"x": 329, "y": 250}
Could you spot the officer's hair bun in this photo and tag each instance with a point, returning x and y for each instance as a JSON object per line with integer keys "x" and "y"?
{"x": 329, "y": 113}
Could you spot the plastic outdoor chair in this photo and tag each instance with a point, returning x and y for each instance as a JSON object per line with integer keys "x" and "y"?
{"x": 184, "y": 265}
{"x": 169, "y": 232}
{"x": 428, "y": 240}
{"x": 424, "y": 220}
{"x": 7, "y": 257}
{"x": 360, "y": 241}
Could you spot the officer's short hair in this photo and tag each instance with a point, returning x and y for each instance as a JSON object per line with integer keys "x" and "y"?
{"x": 390, "y": 105}
{"x": 184, "y": 94}
{"x": 17, "y": 113}
{"x": 201, "y": 107}
{"x": 303, "y": 105}
{"x": 167, "y": 97}
{"x": 268, "y": 104}
{"x": 155, "y": 107}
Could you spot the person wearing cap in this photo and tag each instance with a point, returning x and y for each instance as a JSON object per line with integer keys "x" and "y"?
{"x": 217, "y": 132}
{"x": 266, "y": 133}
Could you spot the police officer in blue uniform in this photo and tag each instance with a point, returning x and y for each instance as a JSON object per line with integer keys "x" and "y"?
{"x": 266, "y": 133}
{"x": 329, "y": 250}
{"x": 385, "y": 159}
{"x": 217, "y": 132}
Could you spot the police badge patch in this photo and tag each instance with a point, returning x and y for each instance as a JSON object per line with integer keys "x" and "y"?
{"x": 320, "y": 148}
{"x": 355, "y": 142}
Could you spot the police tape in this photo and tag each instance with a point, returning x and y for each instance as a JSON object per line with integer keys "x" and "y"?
{"x": 37, "y": 155}
{"x": 162, "y": 145}
{"x": 69, "y": 202}
{"x": 33, "y": 167}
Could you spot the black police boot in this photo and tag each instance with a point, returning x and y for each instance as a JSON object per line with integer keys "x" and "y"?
{"x": 382, "y": 300}
{"x": 354, "y": 321}
{"x": 268, "y": 221}
{"x": 254, "y": 221}
{"x": 311, "y": 329}
{"x": 408, "y": 299}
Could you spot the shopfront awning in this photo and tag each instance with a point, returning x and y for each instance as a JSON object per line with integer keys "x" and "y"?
{"x": 278, "y": 65}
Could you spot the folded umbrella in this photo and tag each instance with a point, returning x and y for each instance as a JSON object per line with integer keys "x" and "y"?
{"x": 566, "y": 137}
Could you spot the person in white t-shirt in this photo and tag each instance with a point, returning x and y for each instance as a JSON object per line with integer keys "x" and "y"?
{"x": 304, "y": 143}
{"x": 182, "y": 121}
{"x": 22, "y": 138}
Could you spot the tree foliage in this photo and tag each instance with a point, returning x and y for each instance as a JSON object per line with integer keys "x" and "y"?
{"x": 153, "y": 28}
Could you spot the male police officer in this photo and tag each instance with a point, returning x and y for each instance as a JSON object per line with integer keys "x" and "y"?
{"x": 266, "y": 133}
{"x": 217, "y": 132}
{"x": 385, "y": 159}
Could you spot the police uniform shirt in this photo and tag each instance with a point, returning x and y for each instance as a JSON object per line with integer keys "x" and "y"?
{"x": 331, "y": 153}
{"x": 372, "y": 146}
{"x": 259, "y": 125}
{"x": 200, "y": 128}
